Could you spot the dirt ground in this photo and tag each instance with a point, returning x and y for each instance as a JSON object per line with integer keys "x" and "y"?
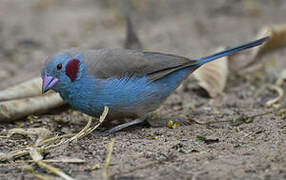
{"x": 32, "y": 30}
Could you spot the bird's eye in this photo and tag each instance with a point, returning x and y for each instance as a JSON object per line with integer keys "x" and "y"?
{"x": 59, "y": 67}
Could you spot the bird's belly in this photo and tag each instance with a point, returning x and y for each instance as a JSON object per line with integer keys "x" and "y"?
{"x": 125, "y": 97}
{"x": 120, "y": 106}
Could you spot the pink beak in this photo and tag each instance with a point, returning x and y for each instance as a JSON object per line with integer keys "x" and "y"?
{"x": 48, "y": 83}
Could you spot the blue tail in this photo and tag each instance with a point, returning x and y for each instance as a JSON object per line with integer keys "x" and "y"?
{"x": 232, "y": 50}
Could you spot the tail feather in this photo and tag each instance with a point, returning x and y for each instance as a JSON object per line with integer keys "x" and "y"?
{"x": 232, "y": 50}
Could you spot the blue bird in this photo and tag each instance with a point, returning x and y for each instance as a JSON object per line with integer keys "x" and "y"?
{"x": 129, "y": 82}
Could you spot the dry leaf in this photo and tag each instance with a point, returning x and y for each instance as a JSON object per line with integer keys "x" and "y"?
{"x": 213, "y": 76}
{"x": 281, "y": 78}
{"x": 16, "y": 109}
{"x": 277, "y": 39}
{"x": 278, "y": 89}
{"x": 280, "y": 93}
{"x": 26, "y": 89}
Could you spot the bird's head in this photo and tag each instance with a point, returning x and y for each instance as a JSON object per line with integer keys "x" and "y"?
{"x": 61, "y": 70}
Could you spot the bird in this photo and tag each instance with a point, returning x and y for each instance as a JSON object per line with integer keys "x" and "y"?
{"x": 131, "y": 83}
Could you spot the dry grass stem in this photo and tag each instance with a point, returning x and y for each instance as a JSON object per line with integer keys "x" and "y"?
{"x": 61, "y": 160}
{"x": 39, "y": 176}
{"x": 37, "y": 159}
{"x": 46, "y": 144}
{"x": 107, "y": 160}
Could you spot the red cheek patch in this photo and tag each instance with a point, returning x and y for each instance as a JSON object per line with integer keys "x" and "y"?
{"x": 72, "y": 69}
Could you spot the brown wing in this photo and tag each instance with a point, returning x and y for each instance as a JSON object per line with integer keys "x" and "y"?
{"x": 106, "y": 63}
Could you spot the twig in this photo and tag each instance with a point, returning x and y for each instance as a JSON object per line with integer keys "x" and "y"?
{"x": 55, "y": 138}
{"x": 23, "y": 90}
{"x": 107, "y": 160}
{"x": 19, "y": 108}
{"x": 72, "y": 160}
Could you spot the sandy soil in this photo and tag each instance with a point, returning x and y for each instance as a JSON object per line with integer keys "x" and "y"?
{"x": 32, "y": 30}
